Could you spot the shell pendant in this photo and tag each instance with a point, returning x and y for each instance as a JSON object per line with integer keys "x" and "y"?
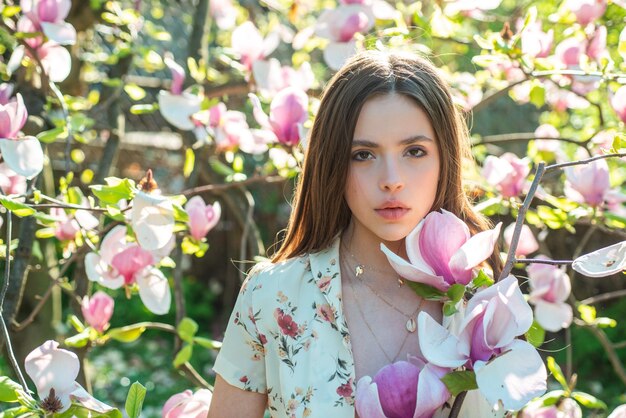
{"x": 358, "y": 270}
{"x": 411, "y": 325}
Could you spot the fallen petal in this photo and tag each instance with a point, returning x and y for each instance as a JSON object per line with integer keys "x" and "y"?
{"x": 603, "y": 262}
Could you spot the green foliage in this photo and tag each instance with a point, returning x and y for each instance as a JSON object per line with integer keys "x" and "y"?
{"x": 134, "y": 400}
{"x": 460, "y": 381}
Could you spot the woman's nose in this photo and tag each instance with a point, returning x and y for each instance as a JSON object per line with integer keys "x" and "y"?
{"x": 391, "y": 179}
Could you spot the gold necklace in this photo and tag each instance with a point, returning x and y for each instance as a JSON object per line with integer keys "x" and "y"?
{"x": 358, "y": 305}
{"x": 360, "y": 268}
{"x": 411, "y": 322}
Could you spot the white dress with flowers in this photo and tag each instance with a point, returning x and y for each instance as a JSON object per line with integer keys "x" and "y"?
{"x": 288, "y": 337}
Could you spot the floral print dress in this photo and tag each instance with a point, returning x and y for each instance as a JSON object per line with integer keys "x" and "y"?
{"x": 287, "y": 337}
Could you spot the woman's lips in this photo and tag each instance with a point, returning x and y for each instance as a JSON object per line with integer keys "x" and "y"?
{"x": 392, "y": 213}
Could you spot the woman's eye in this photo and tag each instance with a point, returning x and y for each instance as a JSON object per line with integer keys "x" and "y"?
{"x": 416, "y": 152}
{"x": 362, "y": 156}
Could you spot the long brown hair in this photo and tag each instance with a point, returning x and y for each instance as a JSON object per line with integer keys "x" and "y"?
{"x": 320, "y": 211}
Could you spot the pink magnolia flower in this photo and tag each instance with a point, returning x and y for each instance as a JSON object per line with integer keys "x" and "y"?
{"x": 587, "y": 183}
{"x": 188, "y": 404}
{"x": 535, "y": 42}
{"x": 438, "y": 263}
{"x": 228, "y": 128}
{"x": 248, "y": 42}
{"x": 224, "y": 13}
{"x": 68, "y": 225}
{"x": 177, "y": 106}
{"x": 402, "y": 390}
{"x": 10, "y": 181}
{"x": 270, "y": 77}
{"x": 54, "y": 372}
{"x": 596, "y": 48}
{"x": 152, "y": 219}
{"x": 603, "y": 262}
{"x": 6, "y": 91}
{"x": 507, "y": 173}
{"x": 527, "y": 243}
{"x": 23, "y": 155}
{"x": 122, "y": 263}
{"x": 49, "y": 16}
{"x": 202, "y": 217}
{"x": 567, "y": 408}
{"x": 618, "y": 101}
{"x": 586, "y": 11}
{"x": 339, "y": 26}
{"x": 508, "y": 370}
{"x": 98, "y": 310}
{"x": 549, "y": 289}
{"x": 569, "y": 52}
{"x": 288, "y": 111}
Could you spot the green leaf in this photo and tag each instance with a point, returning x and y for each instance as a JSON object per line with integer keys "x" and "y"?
{"x": 537, "y": 95}
{"x": 460, "y": 381}
{"x": 8, "y": 389}
{"x": 456, "y": 292}
{"x": 187, "y": 329}
{"x": 604, "y": 322}
{"x": 551, "y": 397}
{"x": 18, "y": 208}
{"x": 482, "y": 280}
{"x": 52, "y": 134}
{"x": 207, "y": 343}
{"x": 220, "y": 168}
{"x": 180, "y": 214}
{"x": 425, "y": 291}
{"x": 588, "y": 401}
{"x": 18, "y": 411}
{"x": 10, "y": 11}
{"x": 183, "y": 356}
{"x": 134, "y": 91}
{"x": 78, "y": 340}
{"x": 555, "y": 369}
{"x": 190, "y": 160}
{"x": 76, "y": 323}
{"x": 143, "y": 109}
{"x": 587, "y": 313}
{"x": 126, "y": 334}
{"x": 536, "y": 334}
{"x": 449, "y": 308}
{"x": 114, "y": 191}
{"x": 134, "y": 400}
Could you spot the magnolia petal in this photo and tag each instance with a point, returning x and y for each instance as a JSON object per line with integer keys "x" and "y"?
{"x": 86, "y": 219}
{"x": 177, "y": 109}
{"x": 437, "y": 344}
{"x": 475, "y": 405}
{"x": 603, "y": 262}
{"x": 101, "y": 272}
{"x": 476, "y": 250}
{"x": 553, "y": 316}
{"x": 619, "y": 412}
{"x": 512, "y": 299}
{"x": 258, "y": 113}
{"x": 413, "y": 250}
{"x": 80, "y": 395}
{"x": 113, "y": 243}
{"x": 411, "y": 272}
{"x": 152, "y": 219}
{"x": 513, "y": 378}
{"x": 431, "y": 392}
{"x": 367, "y": 400}
{"x": 56, "y": 61}
{"x": 61, "y": 33}
{"x": 154, "y": 291}
{"x": 337, "y": 53}
{"x": 51, "y": 367}
{"x": 24, "y": 155}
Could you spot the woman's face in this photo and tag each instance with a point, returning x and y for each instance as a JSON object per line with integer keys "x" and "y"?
{"x": 394, "y": 168}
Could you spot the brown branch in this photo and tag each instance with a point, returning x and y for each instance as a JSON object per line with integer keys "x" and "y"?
{"x": 226, "y": 186}
{"x": 608, "y": 348}
{"x": 458, "y": 403}
{"x": 603, "y": 297}
{"x": 587, "y": 161}
{"x": 542, "y": 261}
{"x": 510, "y": 258}
{"x": 525, "y": 136}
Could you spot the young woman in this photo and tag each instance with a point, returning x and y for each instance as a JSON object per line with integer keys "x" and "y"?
{"x": 386, "y": 148}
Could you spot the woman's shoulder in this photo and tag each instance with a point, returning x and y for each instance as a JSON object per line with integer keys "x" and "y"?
{"x": 267, "y": 274}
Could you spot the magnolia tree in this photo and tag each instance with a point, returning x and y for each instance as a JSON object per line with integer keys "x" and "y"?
{"x": 243, "y": 100}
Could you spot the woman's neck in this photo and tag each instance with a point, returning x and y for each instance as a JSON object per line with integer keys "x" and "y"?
{"x": 363, "y": 247}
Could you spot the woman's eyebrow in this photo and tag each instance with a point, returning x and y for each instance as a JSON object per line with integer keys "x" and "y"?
{"x": 406, "y": 141}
